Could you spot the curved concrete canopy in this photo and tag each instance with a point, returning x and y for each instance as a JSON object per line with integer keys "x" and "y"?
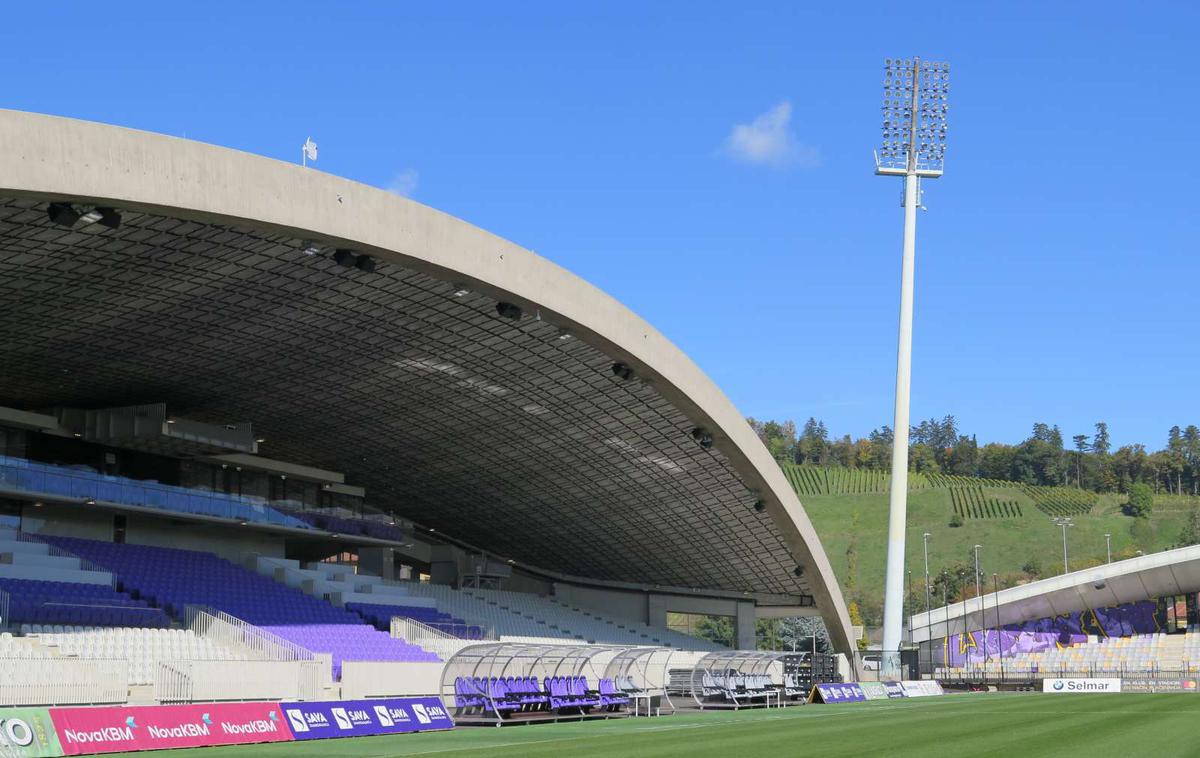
{"x": 506, "y": 434}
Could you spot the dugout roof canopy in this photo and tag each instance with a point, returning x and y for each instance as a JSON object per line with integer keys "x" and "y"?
{"x": 473, "y": 386}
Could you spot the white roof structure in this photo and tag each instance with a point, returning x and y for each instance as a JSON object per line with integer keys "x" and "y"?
{"x": 1173, "y": 572}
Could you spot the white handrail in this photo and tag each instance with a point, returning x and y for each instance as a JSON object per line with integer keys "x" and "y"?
{"x": 220, "y": 627}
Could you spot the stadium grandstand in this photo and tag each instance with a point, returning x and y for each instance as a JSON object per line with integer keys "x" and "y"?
{"x": 268, "y": 434}
{"x": 1133, "y": 619}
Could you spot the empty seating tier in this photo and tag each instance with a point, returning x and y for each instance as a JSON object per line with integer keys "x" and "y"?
{"x": 38, "y": 602}
{"x": 174, "y": 579}
{"x": 351, "y": 642}
{"x": 143, "y": 648}
{"x": 380, "y": 615}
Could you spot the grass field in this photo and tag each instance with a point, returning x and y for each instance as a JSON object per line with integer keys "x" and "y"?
{"x": 977, "y": 725}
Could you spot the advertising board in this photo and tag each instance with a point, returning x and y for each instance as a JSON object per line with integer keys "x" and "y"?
{"x": 894, "y": 690}
{"x": 28, "y": 732}
{"x": 849, "y": 692}
{"x": 1160, "y": 685}
{"x": 115, "y": 729}
{"x": 922, "y": 688}
{"x": 874, "y": 690}
{"x": 357, "y": 718}
{"x": 1076, "y": 686}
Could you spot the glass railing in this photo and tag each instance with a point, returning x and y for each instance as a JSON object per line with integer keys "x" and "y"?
{"x": 41, "y": 478}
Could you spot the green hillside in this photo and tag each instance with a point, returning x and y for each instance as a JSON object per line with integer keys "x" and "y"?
{"x": 1012, "y": 522}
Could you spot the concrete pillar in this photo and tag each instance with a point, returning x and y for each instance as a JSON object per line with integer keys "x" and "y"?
{"x": 444, "y": 564}
{"x": 746, "y": 637}
{"x": 377, "y": 561}
{"x": 656, "y": 610}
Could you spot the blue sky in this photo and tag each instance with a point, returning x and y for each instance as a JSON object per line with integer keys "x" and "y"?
{"x": 1056, "y": 267}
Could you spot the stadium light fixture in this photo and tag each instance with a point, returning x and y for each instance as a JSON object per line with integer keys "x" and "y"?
{"x": 63, "y": 214}
{"x": 509, "y": 311}
{"x": 622, "y": 371}
{"x": 915, "y": 95}
{"x": 978, "y": 593}
{"x": 106, "y": 217}
{"x": 1064, "y": 522}
{"x": 925, "y": 544}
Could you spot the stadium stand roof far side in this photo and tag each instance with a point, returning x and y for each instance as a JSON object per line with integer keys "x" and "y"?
{"x": 490, "y": 394}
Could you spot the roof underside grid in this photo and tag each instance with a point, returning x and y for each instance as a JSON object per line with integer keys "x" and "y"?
{"x": 496, "y": 432}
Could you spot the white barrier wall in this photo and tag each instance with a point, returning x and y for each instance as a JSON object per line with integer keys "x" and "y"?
{"x": 364, "y": 679}
{"x": 63, "y": 681}
{"x": 188, "y": 681}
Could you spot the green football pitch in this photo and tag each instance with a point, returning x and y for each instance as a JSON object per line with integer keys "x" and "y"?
{"x": 1019, "y": 724}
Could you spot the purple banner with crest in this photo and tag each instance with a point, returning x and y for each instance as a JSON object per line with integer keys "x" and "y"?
{"x": 1142, "y": 617}
{"x": 360, "y": 718}
{"x": 977, "y": 647}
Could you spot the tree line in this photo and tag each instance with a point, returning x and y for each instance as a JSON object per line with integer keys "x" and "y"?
{"x": 1044, "y": 458}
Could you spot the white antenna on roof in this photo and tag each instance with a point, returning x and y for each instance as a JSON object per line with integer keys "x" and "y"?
{"x": 308, "y": 151}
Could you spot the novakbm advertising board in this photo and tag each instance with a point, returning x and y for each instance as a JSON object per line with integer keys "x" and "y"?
{"x": 357, "y": 718}
{"x": 115, "y": 729}
{"x": 28, "y": 732}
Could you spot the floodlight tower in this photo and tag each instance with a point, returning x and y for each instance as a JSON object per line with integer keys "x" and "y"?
{"x": 914, "y": 146}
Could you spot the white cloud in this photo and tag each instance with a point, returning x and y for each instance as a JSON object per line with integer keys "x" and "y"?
{"x": 404, "y": 183}
{"x": 768, "y": 141}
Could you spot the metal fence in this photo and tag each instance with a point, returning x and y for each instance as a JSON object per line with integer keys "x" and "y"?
{"x": 63, "y": 681}
{"x": 1017, "y": 675}
{"x": 211, "y": 680}
{"x": 258, "y": 644}
{"x": 888, "y": 666}
{"x": 27, "y": 477}
{"x": 434, "y": 640}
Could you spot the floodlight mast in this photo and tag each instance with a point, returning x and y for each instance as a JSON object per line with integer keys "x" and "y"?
{"x": 914, "y": 139}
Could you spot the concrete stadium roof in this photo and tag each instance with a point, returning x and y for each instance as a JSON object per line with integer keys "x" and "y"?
{"x": 512, "y": 435}
{"x": 1172, "y": 572}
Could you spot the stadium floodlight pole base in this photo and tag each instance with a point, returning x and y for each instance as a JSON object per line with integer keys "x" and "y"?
{"x": 893, "y": 598}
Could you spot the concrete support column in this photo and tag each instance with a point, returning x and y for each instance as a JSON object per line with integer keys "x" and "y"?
{"x": 746, "y": 636}
{"x": 379, "y": 561}
{"x": 656, "y": 610}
